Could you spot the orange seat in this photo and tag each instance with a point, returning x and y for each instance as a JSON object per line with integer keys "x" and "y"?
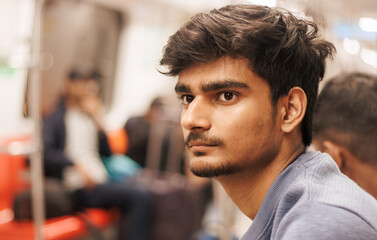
{"x": 13, "y": 179}
{"x": 60, "y": 228}
{"x": 13, "y": 172}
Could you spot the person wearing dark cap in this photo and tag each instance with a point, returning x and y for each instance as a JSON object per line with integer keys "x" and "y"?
{"x": 74, "y": 142}
{"x": 248, "y": 80}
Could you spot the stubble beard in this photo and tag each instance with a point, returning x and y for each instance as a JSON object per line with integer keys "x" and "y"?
{"x": 209, "y": 171}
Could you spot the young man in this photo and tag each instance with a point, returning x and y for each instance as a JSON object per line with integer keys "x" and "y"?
{"x": 248, "y": 80}
{"x": 345, "y": 126}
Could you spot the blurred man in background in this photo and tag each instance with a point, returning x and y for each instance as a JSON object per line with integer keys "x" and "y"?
{"x": 138, "y": 131}
{"x": 74, "y": 142}
{"x": 345, "y": 126}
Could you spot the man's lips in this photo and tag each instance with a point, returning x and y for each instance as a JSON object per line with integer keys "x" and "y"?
{"x": 200, "y": 144}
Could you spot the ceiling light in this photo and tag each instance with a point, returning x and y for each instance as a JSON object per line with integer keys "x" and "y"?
{"x": 351, "y": 46}
{"x": 369, "y": 57}
{"x": 368, "y": 24}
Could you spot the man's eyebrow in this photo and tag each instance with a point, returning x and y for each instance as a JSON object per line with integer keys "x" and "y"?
{"x": 222, "y": 85}
{"x": 182, "y": 88}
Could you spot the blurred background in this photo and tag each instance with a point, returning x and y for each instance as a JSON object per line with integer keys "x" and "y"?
{"x": 124, "y": 41}
{"x": 42, "y": 41}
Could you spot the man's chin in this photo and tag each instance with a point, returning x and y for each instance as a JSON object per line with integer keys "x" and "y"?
{"x": 213, "y": 171}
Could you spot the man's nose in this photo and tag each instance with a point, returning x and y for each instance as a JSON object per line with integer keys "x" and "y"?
{"x": 196, "y": 116}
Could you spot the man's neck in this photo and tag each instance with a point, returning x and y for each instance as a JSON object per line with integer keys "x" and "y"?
{"x": 247, "y": 189}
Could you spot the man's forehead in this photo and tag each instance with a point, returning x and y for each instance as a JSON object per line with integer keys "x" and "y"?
{"x": 220, "y": 63}
{"x": 222, "y": 73}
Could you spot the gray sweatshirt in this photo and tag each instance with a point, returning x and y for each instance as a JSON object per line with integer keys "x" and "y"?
{"x": 312, "y": 199}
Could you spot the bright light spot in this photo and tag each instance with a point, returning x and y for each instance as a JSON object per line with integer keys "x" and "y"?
{"x": 6, "y": 215}
{"x": 268, "y": 3}
{"x": 351, "y": 46}
{"x": 369, "y": 57}
{"x": 368, "y": 24}
{"x": 18, "y": 61}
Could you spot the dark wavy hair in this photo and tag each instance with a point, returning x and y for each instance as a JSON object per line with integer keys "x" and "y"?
{"x": 281, "y": 48}
{"x": 346, "y": 114}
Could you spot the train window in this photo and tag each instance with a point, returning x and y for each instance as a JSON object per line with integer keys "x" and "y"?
{"x": 16, "y": 19}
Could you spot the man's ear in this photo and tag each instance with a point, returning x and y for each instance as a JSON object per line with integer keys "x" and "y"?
{"x": 294, "y": 109}
{"x": 335, "y": 151}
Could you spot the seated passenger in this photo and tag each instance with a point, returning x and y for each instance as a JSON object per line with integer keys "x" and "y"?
{"x": 138, "y": 130}
{"x": 74, "y": 142}
{"x": 345, "y": 126}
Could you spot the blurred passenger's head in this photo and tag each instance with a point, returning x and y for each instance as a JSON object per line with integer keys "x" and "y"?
{"x": 82, "y": 85}
{"x": 156, "y": 109}
{"x": 281, "y": 48}
{"x": 345, "y": 125}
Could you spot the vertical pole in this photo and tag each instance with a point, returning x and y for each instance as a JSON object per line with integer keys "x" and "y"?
{"x": 35, "y": 113}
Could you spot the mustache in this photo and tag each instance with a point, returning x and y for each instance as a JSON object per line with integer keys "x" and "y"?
{"x": 202, "y": 137}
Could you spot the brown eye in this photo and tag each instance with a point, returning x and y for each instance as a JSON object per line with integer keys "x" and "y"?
{"x": 227, "y": 96}
{"x": 187, "y": 99}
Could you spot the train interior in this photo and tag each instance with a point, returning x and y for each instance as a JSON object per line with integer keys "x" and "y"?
{"x": 41, "y": 41}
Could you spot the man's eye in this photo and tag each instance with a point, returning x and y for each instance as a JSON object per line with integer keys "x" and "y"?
{"x": 226, "y": 96}
{"x": 187, "y": 99}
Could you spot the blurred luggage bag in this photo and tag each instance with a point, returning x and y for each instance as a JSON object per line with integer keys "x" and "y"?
{"x": 179, "y": 205}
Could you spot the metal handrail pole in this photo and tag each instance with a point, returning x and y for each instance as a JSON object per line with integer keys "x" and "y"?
{"x": 35, "y": 113}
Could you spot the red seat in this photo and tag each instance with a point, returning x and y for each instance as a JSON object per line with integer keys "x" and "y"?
{"x": 13, "y": 178}
{"x": 60, "y": 228}
{"x": 13, "y": 172}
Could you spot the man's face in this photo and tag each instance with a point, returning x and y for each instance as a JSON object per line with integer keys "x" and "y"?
{"x": 228, "y": 120}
